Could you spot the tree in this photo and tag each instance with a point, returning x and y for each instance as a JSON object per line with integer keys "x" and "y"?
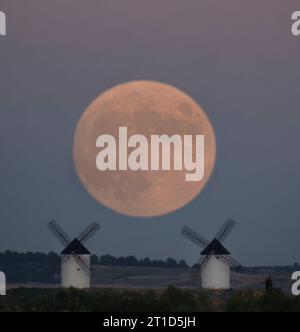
{"x": 94, "y": 260}
{"x": 269, "y": 284}
{"x": 131, "y": 261}
{"x": 107, "y": 260}
{"x": 296, "y": 267}
{"x": 145, "y": 262}
{"x": 171, "y": 262}
{"x": 182, "y": 263}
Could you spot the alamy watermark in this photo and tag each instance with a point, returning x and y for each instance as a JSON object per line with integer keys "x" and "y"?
{"x": 296, "y": 283}
{"x": 2, "y": 24}
{"x": 296, "y": 24}
{"x": 115, "y": 155}
{"x": 2, "y": 284}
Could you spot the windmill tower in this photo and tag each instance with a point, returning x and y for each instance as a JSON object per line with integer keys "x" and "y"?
{"x": 75, "y": 263}
{"x": 215, "y": 261}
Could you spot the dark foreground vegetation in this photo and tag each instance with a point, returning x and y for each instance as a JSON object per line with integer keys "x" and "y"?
{"x": 170, "y": 300}
{"x": 272, "y": 300}
{"x": 103, "y": 300}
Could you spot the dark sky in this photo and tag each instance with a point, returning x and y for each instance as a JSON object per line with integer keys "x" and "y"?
{"x": 238, "y": 59}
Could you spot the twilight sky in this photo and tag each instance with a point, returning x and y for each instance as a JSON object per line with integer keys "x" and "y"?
{"x": 238, "y": 59}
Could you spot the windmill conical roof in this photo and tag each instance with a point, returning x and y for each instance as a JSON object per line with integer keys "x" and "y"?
{"x": 215, "y": 248}
{"x": 75, "y": 248}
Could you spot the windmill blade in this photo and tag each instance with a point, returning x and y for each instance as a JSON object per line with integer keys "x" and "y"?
{"x": 83, "y": 264}
{"x": 85, "y": 261}
{"x": 59, "y": 233}
{"x": 88, "y": 232}
{"x": 202, "y": 262}
{"x": 194, "y": 237}
{"x": 65, "y": 258}
{"x": 225, "y": 230}
{"x": 198, "y": 268}
{"x": 234, "y": 262}
{"x": 229, "y": 261}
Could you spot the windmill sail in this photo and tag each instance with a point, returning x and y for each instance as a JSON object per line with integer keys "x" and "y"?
{"x": 194, "y": 237}
{"x": 83, "y": 264}
{"x": 59, "y": 233}
{"x": 88, "y": 232}
{"x": 202, "y": 262}
{"x": 230, "y": 261}
{"x": 225, "y": 230}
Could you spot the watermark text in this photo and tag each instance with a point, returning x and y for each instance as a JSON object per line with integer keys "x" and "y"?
{"x": 2, "y": 24}
{"x": 296, "y": 24}
{"x": 2, "y": 284}
{"x": 296, "y": 283}
{"x": 188, "y": 153}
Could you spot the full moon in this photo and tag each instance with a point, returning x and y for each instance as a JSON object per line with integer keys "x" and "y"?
{"x": 147, "y": 108}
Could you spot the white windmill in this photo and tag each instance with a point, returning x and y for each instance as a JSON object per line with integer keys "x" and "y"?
{"x": 75, "y": 263}
{"x": 215, "y": 261}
